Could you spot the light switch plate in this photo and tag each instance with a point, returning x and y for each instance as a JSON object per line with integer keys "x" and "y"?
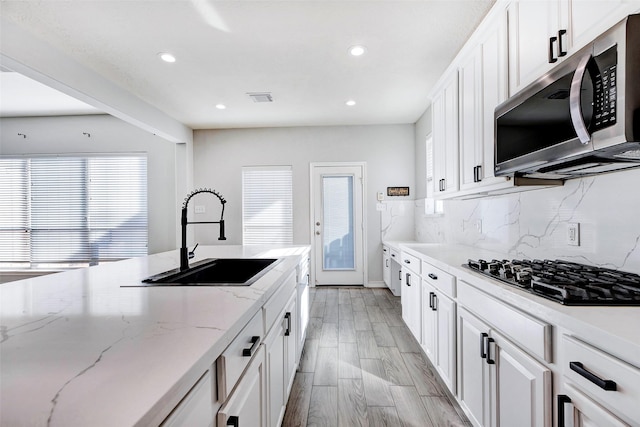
{"x": 573, "y": 234}
{"x": 380, "y": 196}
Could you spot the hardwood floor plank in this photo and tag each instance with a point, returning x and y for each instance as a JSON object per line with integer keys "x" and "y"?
{"x": 326, "y": 372}
{"x": 323, "y": 407}
{"x": 309, "y": 356}
{"x": 314, "y": 328}
{"x": 367, "y": 347}
{"x": 344, "y": 296}
{"x": 348, "y": 361}
{"x": 376, "y": 383}
{"x": 361, "y": 321}
{"x": 329, "y": 335}
{"x": 394, "y": 366}
{"x": 382, "y": 334}
{"x": 319, "y": 294}
{"x": 411, "y": 409}
{"x": 345, "y": 311}
{"x": 297, "y": 411}
{"x": 369, "y": 298}
{"x": 346, "y": 331}
{"x": 358, "y": 304}
{"x": 375, "y": 314}
{"x": 442, "y": 412}
{"x": 392, "y": 317}
{"x": 331, "y": 312}
{"x": 383, "y": 416}
{"x": 355, "y": 292}
{"x": 406, "y": 342}
{"x": 352, "y": 405}
{"x": 423, "y": 374}
{"x": 317, "y": 309}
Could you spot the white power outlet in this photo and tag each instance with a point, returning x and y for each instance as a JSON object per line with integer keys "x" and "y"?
{"x": 573, "y": 234}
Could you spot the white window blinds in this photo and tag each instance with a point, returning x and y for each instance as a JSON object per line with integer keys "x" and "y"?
{"x": 72, "y": 210}
{"x": 267, "y": 205}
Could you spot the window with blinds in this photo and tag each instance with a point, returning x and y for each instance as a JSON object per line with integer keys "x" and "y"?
{"x": 267, "y": 205}
{"x": 72, "y": 210}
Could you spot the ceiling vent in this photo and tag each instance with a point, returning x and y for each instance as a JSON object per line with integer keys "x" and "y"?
{"x": 260, "y": 96}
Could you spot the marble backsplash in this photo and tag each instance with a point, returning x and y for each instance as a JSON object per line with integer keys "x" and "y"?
{"x": 533, "y": 224}
{"x": 397, "y": 220}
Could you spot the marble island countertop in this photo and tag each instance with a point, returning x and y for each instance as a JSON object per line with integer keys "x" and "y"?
{"x": 614, "y": 328}
{"x": 79, "y": 349}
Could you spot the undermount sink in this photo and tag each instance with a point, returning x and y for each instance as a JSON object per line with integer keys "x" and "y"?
{"x": 215, "y": 272}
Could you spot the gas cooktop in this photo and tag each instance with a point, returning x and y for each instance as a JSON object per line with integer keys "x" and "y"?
{"x": 568, "y": 283}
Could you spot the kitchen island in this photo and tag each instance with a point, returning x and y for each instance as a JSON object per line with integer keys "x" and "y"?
{"x": 83, "y": 347}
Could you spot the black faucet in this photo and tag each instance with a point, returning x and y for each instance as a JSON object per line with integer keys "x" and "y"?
{"x": 184, "y": 252}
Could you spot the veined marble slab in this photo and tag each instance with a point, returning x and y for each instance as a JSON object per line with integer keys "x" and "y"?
{"x": 79, "y": 349}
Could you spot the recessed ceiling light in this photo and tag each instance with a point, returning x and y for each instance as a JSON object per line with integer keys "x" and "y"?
{"x": 167, "y": 57}
{"x": 350, "y": 103}
{"x": 357, "y": 50}
{"x": 221, "y": 106}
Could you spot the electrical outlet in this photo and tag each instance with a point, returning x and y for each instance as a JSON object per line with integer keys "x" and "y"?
{"x": 380, "y": 207}
{"x": 380, "y": 196}
{"x": 199, "y": 209}
{"x": 573, "y": 234}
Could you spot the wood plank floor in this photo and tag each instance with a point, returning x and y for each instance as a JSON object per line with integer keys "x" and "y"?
{"x": 362, "y": 367}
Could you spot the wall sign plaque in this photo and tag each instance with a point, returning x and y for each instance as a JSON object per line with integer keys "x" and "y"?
{"x": 397, "y": 191}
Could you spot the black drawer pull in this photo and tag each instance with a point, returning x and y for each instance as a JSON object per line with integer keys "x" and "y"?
{"x": 483, "y": 346}
{"x": 431, "y": 294}
{"x": 562, "y": 399}
{"x": 433, "y": 276}
{"x": 255, "y": 342}
{"x": 435, "y": 303}
{"x": 233, "y": 421}
{"x": 406, "y": 261}
{"x": 490, "y": 361}
{"x": 603, "y": 384}
{"x": 287, "y": 317}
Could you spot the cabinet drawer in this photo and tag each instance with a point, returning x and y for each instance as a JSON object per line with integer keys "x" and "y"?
{"x": 596, "y": 366}
{"x": 196, "y": 409}
{"x": 232, "y": 361}
{"x": 528, "y": 332}
{"x": 395, "y": 255}
{"x": 276, "y": 303}
{"x": 410, "y": 262}
{"x": 441, "y": 280}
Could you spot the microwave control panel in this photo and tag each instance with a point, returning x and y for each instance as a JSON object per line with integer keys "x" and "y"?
{"x": 605, "y": 92}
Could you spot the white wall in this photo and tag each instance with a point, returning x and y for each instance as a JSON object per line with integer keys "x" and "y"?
{"x": 219, "y": 156}
{"x": 52, "y": 135}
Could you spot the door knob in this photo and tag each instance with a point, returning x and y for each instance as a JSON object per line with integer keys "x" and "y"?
{"x": 317, "y": 233}
{"x": 318, "y": 223}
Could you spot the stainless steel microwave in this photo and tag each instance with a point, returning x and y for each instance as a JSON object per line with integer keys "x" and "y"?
{"x": 580, "y": 119}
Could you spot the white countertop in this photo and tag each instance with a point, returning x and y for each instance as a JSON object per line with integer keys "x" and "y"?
{"x": 615, "y": 329}
{"x": 79, "y": 349}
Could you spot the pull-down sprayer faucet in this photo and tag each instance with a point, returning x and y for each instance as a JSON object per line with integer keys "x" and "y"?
{"x": 184, "y": 252}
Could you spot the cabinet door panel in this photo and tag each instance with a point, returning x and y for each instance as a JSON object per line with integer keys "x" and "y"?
{"x": 275, "y": 365}
{"x": 470, "y": 119}
{"x": 474, "y": 373}
{"x": 523, "y": 387}
{"x": 248, "y": 400}
{"x": 290, "y": 346}
{"x": 429, "y": 323}
{"x": 446, "y": 333}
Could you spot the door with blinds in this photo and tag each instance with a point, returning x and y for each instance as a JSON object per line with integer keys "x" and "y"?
{"x": 338, "y": 223}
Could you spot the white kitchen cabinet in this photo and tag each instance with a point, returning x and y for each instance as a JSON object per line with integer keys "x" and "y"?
{"x": 303, "y": 279}
{"x": 290, "y": 346}
{"x": 575, "y": 409}
{"x": 439, "y": 332}
{"x": 499, "y": 384}
{"x": 542, "y": 33}
{"x": 445, "y": 137}
{"x": 410, "y": 297}
{"x": 386, "y": 265}
{"x": 196, "y": 408}
{"x": 275, "y": 349}
{"x": 483, "y": 86}
{"x": 246, "y": 406}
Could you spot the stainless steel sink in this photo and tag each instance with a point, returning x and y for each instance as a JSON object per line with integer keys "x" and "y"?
{"x": 215, "y": 272}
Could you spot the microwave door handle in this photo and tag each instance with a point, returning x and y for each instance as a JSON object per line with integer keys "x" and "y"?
{"x": 574, "y": 101}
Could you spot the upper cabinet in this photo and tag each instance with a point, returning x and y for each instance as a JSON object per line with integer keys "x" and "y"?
{"x": 445, "y": 137}
{"x": 543, "y": 33}
{"x": 483, "y": 84}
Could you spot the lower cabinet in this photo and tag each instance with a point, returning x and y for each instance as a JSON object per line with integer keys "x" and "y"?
{"x": 577, "y": 409}
{"x": 411, "y": 302}
{"x": 499, "y": 384}
{"x": 247, "y": 404}
{"x": 195, "y": 409}
{"x": 439, "y": 332}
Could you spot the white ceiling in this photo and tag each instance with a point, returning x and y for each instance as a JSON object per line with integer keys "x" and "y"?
{"x": 297, "y": 50}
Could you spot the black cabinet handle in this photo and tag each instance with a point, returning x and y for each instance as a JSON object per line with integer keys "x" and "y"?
{"x": 608, "y": 385}
{"x": 287, "y": 317}
{"x": 400, "y": 275}
{"x": 255, "y": 342}
{"x": 490, "y": 361}
{"x": 393, "y": 255}
{"x": 483, "y": 346}
{"x": 406, "y": 261}
{"x": 561, "y": 52}
{"x": 435, "y": 303}
{"x": 562, "y": 399}
{"x": 431, "y": 300}
{"x": 479, "y": 173}
{"x": 233, "y": 421}
{"x": 408, "y": 280}
{"x": 552, "y": 57}
{"x": 387, "y": 263}
{"x": 433, "y": 276}
{"x": 475, "y": 174}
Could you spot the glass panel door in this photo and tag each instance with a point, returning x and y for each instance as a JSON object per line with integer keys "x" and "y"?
{"x": 338, "y": 230}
